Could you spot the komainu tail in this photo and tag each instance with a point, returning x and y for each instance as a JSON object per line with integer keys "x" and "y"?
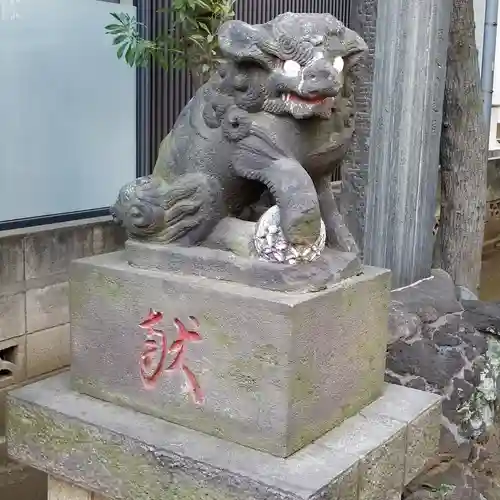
{"x": 184, "y": 212}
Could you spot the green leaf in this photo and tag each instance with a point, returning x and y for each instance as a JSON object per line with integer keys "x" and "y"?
{"x": 130, "y": 56}
{"x": 203, "y": 4}
{"x": 124, "y": 18}
{"x": 204, "y": 27}
{"x": 115, "y": 15}
{"x": 113, "y": 27}
{"x": 121, "y": 50}
{"x": 119, "y": 39}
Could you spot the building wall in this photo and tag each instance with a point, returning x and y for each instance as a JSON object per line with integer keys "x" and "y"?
{"x": 34, "y": 318}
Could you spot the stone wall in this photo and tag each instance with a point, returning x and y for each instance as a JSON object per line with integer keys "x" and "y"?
{"x": 34, "y": 317}
{"x": 451, "y": 348}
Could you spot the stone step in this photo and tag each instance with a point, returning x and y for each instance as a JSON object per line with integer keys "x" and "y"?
{"x": 123, "y": 454}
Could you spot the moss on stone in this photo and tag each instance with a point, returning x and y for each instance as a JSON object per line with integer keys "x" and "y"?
{"x": 134, "y": 474}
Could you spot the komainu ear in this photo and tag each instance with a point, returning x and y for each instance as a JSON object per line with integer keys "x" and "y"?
{"x": 241, "y": 42}
{"x": 356, "y": 48}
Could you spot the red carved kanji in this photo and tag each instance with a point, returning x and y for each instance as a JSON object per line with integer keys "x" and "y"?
{"x": 156, "y": 340}
{"x": 155, "y": 347}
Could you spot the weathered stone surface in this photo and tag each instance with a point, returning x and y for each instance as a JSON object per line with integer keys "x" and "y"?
{"x": 484, "y": 316}
{"x": 330, "y": 268}
{"x": 47, "y": 307}
{"x": 133, "y": 456}
{"x": 439, "y": 346}
{"x": 278, "y": 369}
{"x": 47, "y": 350}
{"x": 424, "y": 428}
{"x": 60, "y": 490}
{"x": 383, "y": 470}
{"x": 51, "y": 251}
{"x": 423, "y": 437}
{"x": 107, "y": 237}
{"x": 437, "y": 292}
{"x": 12, "y": 316}
{"x": 11, "y": 261}
{"x": 379, "y": 441}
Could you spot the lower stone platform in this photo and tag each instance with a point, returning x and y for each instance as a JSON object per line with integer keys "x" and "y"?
{"x": 122, "y": 454}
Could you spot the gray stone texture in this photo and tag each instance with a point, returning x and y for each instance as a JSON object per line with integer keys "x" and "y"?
{"x": 47, "y": 307}
{"x": 133, "y": 456}
{"x": 12, "y": 315}
{"x": 278, "y": 369}
{"x": 443, "y": 346}
{"x": 34, "y": 317}
{"x": 47, "y": 350}
{"x": 11, "y": 261}
{"x": 34, "y": 271}
{"x": 331, "y": 267}
{"x": 50, "y": 252}
{"x": 408, "y": 90}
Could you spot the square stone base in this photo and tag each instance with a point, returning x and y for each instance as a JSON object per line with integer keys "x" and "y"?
{"x": 277, "y": 369}
{"x": 125, "y": 455}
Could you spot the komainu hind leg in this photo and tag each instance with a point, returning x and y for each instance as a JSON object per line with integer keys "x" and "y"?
{"x": 183, "y": 212}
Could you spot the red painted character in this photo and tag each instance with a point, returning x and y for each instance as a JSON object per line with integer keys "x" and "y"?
{"x": 178, "y": 348}
{"x": 155, "y": 340}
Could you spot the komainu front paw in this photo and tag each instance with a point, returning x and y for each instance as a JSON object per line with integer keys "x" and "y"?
{"x": 301, "y": 227}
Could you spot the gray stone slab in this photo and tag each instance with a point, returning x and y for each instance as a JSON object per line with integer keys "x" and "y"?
{"x": 278, "y": 369}
{"x": 126, "y": 455}
{"x": 107, "y": 237}
{"x": 47, "y": 307}
{"x": 331, "y": 267}
{"x": 49, "y": 252}
{"x": 437, "y": 292}
{"x": 421, "y": 411}
{"x": 11, "y": 261}
{"x": 12, "y": 315}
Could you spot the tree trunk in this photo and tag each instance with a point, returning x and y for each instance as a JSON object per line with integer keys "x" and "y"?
{"x": 463, "y": 154}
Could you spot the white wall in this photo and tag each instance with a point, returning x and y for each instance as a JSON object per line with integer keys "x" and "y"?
{"x": 67, "y": 108}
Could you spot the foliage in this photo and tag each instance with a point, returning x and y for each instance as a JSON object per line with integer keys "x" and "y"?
{"x": 191, "y": 41}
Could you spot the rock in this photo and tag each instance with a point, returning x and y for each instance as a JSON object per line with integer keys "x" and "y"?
{"x": 402, "y": 323}
{"x": 423, "y": 359}
{"x": 463, "y": 293}
{"x": 439, "y": 346}
{"x": 438, "y": 293}
{"x": 484, "y": 316}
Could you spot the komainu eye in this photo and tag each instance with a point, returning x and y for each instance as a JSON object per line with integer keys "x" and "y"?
{"x": 291, "y": 68}
{"x": 338, "y": 64}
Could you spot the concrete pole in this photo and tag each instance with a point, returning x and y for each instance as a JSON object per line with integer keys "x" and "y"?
{"x": 488, "y": 59}
{"x": 408, "y": 91}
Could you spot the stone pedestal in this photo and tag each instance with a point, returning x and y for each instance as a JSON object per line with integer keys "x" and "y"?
{"x": 277, "y": 369}
{"x": 285, "y": 396}
{"x": 126, "y": 455}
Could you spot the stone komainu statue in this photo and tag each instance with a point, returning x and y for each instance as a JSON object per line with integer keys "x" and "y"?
{"x": 277, "y": 117}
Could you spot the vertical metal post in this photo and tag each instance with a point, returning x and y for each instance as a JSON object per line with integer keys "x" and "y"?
{"x": 488, "y": 61}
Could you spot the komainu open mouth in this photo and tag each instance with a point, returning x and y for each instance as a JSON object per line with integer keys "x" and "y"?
{"x": 303, "y": 99}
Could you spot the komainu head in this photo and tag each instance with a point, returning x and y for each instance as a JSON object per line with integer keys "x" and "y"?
{"x": 296, "y": 64}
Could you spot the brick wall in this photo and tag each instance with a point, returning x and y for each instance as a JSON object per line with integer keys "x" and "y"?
{"x": 34, "y": 318}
